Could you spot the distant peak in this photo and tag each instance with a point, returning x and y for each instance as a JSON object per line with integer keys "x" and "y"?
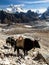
{"x": 14, "y": 8}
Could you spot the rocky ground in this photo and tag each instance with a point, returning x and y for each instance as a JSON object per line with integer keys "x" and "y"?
{"x": 36, "y": 57}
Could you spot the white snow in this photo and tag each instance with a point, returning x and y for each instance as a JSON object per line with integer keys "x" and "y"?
{"x": 14, "y": 8}
{"x": 4, "y": 61}
{"x": 27, "y": 26}
{"x": 47, "y": 23}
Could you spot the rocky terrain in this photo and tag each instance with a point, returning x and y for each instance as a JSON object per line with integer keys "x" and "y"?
{"x": 36, "y": 57}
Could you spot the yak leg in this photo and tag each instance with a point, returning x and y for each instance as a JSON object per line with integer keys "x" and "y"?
{"x": 17, "y": 52}
{"x": 15, "y": 48}
{"x": 25, "y": 52}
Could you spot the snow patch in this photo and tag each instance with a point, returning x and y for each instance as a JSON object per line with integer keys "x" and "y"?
{"x": 4, "y": 61}
{"x": 47, "y": 23}
{"x": 27, "y": 26}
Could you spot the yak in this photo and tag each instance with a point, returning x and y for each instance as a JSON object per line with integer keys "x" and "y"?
{"x": 11, "y": 41}
{"x": 25, "y": 44}
{"x": 21, "y": 43}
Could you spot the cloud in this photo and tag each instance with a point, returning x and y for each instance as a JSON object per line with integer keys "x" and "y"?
{"x": 19, "y": 5}
{"x": 11, "y": 5}
{"x": 36, "y": 2}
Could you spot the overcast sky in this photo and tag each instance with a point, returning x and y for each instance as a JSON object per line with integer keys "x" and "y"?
{"x": 26, "y": 4}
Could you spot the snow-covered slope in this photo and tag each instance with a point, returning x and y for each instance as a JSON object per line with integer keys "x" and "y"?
{"x": 14, "y": 8}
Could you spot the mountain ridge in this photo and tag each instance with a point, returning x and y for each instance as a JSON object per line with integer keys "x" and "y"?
{"x": 22, "y": 17}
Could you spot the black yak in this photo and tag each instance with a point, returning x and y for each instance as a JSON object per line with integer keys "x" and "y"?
{"x": 11, "y": 41}
{"x": 25, "y": 44}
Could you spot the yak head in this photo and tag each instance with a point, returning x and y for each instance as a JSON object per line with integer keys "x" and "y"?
{"x": 10, "y": 40}
{"x": 36, "y": 44}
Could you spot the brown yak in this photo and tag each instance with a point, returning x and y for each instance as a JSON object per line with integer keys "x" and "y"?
{"x": 25, "y": 44}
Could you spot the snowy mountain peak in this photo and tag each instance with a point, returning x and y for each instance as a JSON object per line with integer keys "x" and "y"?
{"x": 14, "y": 8}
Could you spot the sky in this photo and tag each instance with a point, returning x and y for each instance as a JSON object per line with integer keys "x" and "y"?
{"x": 26, "y": 4}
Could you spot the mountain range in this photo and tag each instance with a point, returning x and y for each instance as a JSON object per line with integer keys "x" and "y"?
{"x": 45, "y": 15}
{"x": 16, "y": 15}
